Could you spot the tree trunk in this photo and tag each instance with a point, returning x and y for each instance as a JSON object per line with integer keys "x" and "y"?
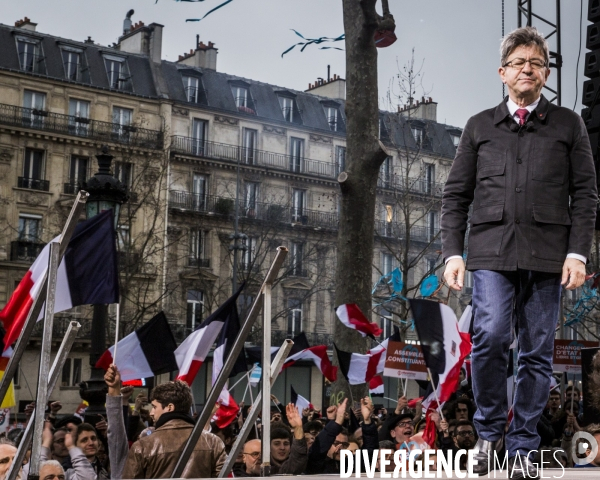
{"x": 364, "y": 156}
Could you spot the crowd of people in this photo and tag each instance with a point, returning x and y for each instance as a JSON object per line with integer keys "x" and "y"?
{"x": 146, "y": 441}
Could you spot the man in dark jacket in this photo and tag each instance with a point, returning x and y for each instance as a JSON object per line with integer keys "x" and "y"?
{"x": 156, "y": 455}
{"x": 324, "y": 455}
{"x": 526, "y": 169}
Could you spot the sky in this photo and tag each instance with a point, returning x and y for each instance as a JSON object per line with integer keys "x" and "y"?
{"x": 455, "y": 42}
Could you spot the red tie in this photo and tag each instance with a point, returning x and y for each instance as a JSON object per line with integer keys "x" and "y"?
{"x": 522, "y": 114}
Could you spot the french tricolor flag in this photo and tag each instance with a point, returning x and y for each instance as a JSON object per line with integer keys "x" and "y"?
{"x": 87, "y": 274}
{"x": 298, "y": 400}
{"x": 193, "y": 351}
{"x": 146, "y": 352}
{"x": 351, "y": 316}
{"x": 228, "y": 408}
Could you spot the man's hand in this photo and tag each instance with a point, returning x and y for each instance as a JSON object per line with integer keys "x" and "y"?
{"x": 331, "y": 411}
{"x": 574, "y": 272}
{"x": 55, "y": 407}
{"x": 444, "y": 428}
{"x": 340, "y": 413}
{"x": 102, "y": 426}
{"x": 29, "y": 409}
{"x": 140, "y": 401}
{"x": 402, "y": 404}
{"x": 454, "y": 274}
{"x": 112, "y": 378}
{"x": 366, "y": 409}
{"x": 69, "y": 441}
{"x": 47, "y": 435}
{"x": 295, "y": 420}
{"x": 126, "y": 393}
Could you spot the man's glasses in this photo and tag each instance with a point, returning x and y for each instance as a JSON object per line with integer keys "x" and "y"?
{"x": 252, "y": 454}
{"x": 519, "y": 63}
{"x": 343, "y": 444}
{"x": 404, "y": 424}
{"x": 465, "y": 434}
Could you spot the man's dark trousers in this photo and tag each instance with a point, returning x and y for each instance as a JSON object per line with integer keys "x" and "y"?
{"x": 530, "y": 301}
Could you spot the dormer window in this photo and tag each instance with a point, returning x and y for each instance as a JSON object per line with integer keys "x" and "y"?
{"x": 417, "y": 133}
{"x": 334, "y": 117}
{"x": 118, "y": 73}
{"x": 289, "y": 108}
{"x": 74, "y": 63}
{"x": 455, "y": 134}
{"x": 194, "y": 91}
{"x": 242, "y": 98}
{"x": 31, "y": 57}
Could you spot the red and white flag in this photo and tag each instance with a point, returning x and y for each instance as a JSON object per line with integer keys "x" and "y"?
{"x": 227, "y": 411}
{"x": 376, "y": 386}
{"x": 356, "y": 367}
{"x": 361, "y": 368}
{"x": 318, "y": 355}
{"x": 444, "y": 346}
{"x": 351, "y": 316}
{"x": 81, "y": 279}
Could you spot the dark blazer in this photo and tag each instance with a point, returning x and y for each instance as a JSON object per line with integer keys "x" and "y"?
{"x": 533, "y": 191}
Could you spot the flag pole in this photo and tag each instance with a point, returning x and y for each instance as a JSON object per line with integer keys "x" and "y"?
{"x": 247, "y": 376}
{"x": 236, "y": 349}
{"x": 44, "y": 369}
{"x": 252, "y": 403}
{"x": 276, "y": 365}
{"x": 36, "y": 308}
{"x": 114, "y": 355}
{"x": 572, "y": 390}
{"x": 57, "y": 366}
{"x": 437, "y": 399}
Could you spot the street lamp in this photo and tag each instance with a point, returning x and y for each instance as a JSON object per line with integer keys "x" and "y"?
{"x": 106, "y": 192}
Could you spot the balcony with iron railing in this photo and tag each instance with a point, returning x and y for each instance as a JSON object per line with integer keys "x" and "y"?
{"x": 25, "y": 251}
{"x": 251, "y": 156}
{"x": 268, "y": 212}
{"x": 198, "y": 262}
{"x": 397, "y": 230}
{"x": 416, "y": 186}
{"x": 33, "y": 184}
{"x": 80, "y": 127}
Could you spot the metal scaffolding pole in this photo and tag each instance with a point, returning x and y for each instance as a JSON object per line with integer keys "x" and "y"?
{"x": 525, "y": 12}
{"x": 217, "y": 387}
{"x": 253, "y": 413}
{"x": 265, "y": 467}
{"x": 42, "y": 386}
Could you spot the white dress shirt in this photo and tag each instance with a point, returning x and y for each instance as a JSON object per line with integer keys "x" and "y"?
{"x": 512, "y": 108}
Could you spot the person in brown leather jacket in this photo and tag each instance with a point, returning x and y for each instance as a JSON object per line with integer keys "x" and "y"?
{"x": 156, "y": 455}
